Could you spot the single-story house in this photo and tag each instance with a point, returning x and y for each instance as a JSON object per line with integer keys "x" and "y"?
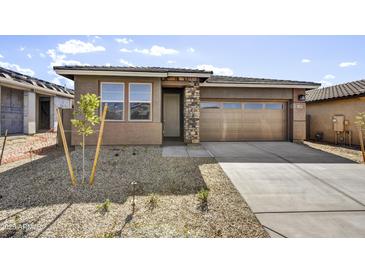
{"x": 28, "y": 105}
{"x": 147, "y": 105}
{"x": 332, "y": 111}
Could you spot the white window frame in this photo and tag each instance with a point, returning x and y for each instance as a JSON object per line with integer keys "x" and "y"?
{"x": 129, "y": 103}
{"x": 112, "y": 101}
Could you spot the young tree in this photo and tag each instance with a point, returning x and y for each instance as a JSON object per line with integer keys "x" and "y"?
{"x": 85, "y": 118}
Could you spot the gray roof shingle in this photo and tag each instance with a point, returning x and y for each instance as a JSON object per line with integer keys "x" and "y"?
{"x": 249, "y": 80}
{"x": 346, "y": 90}
{"x": 133, "y": 69}
{"x": 25, "y": 79}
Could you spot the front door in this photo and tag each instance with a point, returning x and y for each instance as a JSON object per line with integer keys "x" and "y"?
{"x": 171, "y": 114}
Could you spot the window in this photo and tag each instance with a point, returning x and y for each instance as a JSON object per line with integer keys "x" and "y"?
{"x": 140, "y": 101}
{"x": 210, "y": 105}
{"x": 274, "y": 106}
{"x": 232, "y": 105}
{"x": 112, "y": 94}
{"x": 253, "y": 106}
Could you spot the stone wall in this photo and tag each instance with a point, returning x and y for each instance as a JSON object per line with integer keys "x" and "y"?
{"x": 191, "y": 113}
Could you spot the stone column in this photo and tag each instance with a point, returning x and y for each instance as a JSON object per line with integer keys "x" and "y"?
{"x": 191, "y": 114}
{"x": 29, "y": 112}
{"x": 299, "y": 116}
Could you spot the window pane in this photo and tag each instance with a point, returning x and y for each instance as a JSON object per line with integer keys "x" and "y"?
{"x": 115, "y": 111}
{"x": 253, "y": 106}
{"x": 232, "y": 105}
{"x": 112, "y": 92}
{"x": 274, "y": 106}
{"x": 209, "y": 105}
{"x": 140, "y": 92}
{"x": 140, "y": 111}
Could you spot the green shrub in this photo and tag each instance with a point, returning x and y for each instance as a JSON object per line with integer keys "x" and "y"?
{"x": 203, "y": 195}
{"x": 104, "y": 207}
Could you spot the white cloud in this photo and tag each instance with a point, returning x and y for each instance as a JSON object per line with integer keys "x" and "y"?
{"x": 126, "y": 63}
{"x": 29, "y": 56}
{"x": 42, "y": 55}
{"x": 191, "y": 50}
{"x": 305, "y": 61}
{"x": 60, "y": 59}
{"x": 347, "y": 64}
{"x": 216, "y": 70}
{"x": 62, "y": 81}
{"x": 17, "y": 68}
{"x": 171, "y": 62}
{"x": 125, "y": 50}
{"x": 22, "y": 48}
{"x": 329, "y": 77}
{"x": 1, "y": 56}
{"x": 157, "y": 51}
{"x": 77, "y": 46}
{"x": 326, "y": 83}
{"x": 124, "y": 40}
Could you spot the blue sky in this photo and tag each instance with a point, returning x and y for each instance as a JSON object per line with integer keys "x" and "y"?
{"x": 326, "y": 59}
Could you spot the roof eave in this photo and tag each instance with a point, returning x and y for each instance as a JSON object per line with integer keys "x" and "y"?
{"x": 23, "y": 86}
{"x": 70, "y": 73}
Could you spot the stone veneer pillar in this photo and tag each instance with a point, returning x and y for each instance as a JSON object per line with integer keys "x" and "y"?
{"x": 299, "y": 116}
{"x": 191, "y": 114}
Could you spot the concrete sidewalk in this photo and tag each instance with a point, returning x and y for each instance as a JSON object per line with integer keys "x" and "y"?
{"x": 294, "y": 190}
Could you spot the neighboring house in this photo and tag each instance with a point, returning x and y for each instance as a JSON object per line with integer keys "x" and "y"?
{"x": 28, "y": 105}
{"x": 344, "y": 100}
{"x": 149, "y": 104}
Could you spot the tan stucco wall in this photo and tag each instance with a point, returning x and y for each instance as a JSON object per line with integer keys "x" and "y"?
{"x": 245, "y": 93}
{"x": 321, "y": 114}
{"x": 123, "y": 132}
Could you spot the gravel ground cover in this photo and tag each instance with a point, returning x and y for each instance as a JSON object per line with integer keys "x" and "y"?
{"x": 37, "y": 199}
{"x": 350, "y": 153}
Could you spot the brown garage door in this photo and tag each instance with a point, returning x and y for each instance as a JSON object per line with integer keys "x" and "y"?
{"x": 240, "y": 121}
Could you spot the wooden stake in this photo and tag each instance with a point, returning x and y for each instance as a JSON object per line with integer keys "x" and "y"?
{"x": 362, "y": 144}
{"x": 100, "y": 138}
{"x": 65, "y": 147}
{"x": 2, "y": 150}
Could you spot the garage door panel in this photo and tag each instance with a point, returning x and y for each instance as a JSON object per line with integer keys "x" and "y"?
{"x": 253, "y": 121}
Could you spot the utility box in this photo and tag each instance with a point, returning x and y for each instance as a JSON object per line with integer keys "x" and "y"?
{"x": 338, "y": 123}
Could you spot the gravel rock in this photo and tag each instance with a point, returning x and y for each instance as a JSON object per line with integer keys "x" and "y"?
{"x": 38, "y": 199}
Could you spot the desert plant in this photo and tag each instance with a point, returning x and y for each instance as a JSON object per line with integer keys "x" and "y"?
{"x": 104, "y": 207}
{"x": 202, "y": 196}
{"x": 85, "y": 118}
{"x": 153, "y": 201}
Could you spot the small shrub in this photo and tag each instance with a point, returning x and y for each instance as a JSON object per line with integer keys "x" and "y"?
{"x": 153, "y": 201}
{"x": 104, "y": 207}
{"x": 203, "y": 195}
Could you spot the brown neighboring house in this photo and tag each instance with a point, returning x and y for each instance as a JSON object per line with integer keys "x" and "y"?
{"x": 150, "y": 104}
{"x": 344, "y": 100}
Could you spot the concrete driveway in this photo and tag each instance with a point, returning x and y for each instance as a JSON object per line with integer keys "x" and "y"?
{"x": 294, "y": 190}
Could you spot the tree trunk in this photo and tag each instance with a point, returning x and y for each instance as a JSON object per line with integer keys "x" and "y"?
{"x": 83, "y": 158}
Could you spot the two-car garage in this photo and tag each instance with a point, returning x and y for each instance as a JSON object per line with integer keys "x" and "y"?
{"x": 237, "y": 120}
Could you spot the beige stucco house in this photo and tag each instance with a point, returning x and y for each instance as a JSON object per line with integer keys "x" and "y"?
{"x": 147, "y": 105}
{"x": 28, "y": 104}
{"x": 332, "y": 111}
